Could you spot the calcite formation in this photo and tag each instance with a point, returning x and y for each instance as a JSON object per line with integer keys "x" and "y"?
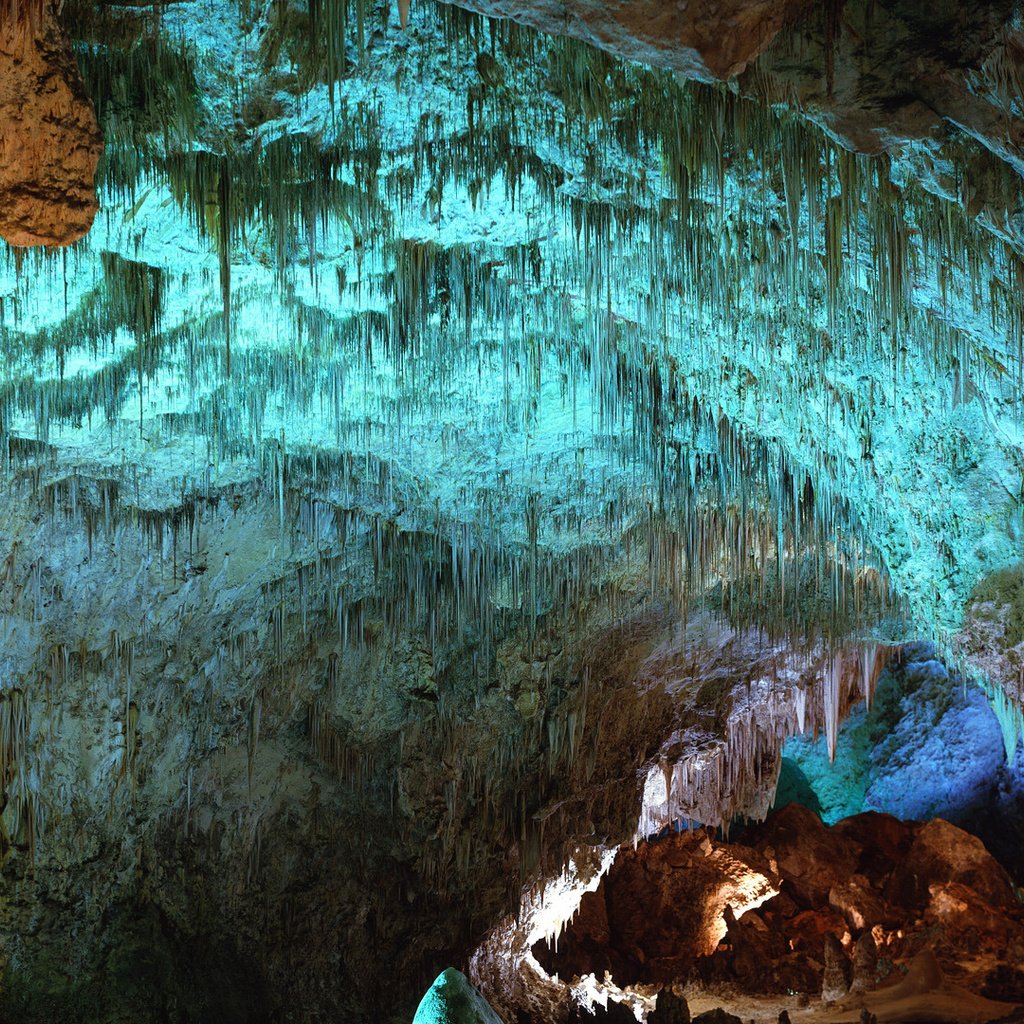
{"x": 457, "y": 451}
{"x": 925, "y": 894}
{"x": 50, "y": 143}
{"x": 696, "y": 39}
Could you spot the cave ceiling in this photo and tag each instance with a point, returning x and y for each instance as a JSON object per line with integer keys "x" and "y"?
{"x": 419, "y": 364}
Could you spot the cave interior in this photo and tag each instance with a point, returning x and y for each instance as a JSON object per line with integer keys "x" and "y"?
{"x": 511, "y": 511}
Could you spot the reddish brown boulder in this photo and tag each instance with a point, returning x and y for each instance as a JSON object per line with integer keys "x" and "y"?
{"x": 664, "y": 913}
{"x": 50, "y": 143}
{"x": 859, "y": 903}
{"x": 807, "y": 930}
{"x": 963, "y": 926}
{"x": 884, "y": 842}
{"x": 660, "y": 908}
{"x": 810, "y": 857}
{"x": 942, "y": 853}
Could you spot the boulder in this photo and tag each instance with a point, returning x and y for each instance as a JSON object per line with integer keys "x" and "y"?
{"x": 942, "y": 853}
{"x": 858, "y": 902}
{"x": 811, "y": 858}
{"x": 669, "y": 1009}
{"x": 717, "y": 1016}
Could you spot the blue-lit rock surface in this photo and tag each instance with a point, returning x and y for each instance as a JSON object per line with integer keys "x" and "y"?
{"x": 452, "y": 1000}
{"x": 452, "y": 445}
{"x": 929, "y": 746}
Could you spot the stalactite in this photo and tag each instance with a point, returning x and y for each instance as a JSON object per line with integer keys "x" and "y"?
{"x": 657, "y": 367}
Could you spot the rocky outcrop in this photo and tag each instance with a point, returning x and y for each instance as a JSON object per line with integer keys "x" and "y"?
{"x": 937, "y": 86}
{"x": 943, "y": 853}
{"x": 700, "y": 40}
{"x": 49, "y": 140}
{"x": 993, "y": 638}
{"x": 810, "y": 858}
{"x": 945, "y": 909}
{"x": 659, "y": 909}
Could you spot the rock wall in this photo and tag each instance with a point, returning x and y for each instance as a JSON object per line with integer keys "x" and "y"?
{"x": 50, "y": 143}
{"x": 930, "y": 746}
{"x": 446, "y": 454}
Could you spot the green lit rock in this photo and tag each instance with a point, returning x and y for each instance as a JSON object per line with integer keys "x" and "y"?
{"x": 452, "y": 1000}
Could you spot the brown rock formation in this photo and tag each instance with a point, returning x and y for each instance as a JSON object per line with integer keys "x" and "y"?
{"x": 865, "y": 964}
{"x": 836, "y": 982}
{"x": 655, "y": 917}
{"x": 701, "y": 40}
{"x": 856, "y": 901}
{"x": 811, "y": 858}
{"x": 937, "y": 84}
{"x": 669, "y": 1009}
{"x": 50, "y": 143}
{"x": 942, "y": 853}
{"x": 660, "y": 908}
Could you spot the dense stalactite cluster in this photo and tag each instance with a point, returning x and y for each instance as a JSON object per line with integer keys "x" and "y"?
{"x": 448, "y": 435}
{"x": 642, "y": 348}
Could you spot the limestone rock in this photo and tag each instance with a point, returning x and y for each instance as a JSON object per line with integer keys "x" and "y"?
{"x": 669, "y": 1009}
{"x": 897, "y": 78}
{"x": 884, "y": 840}
{"x": 865, "y": 964}
{"x": 703, "y": 40}
{"x": 857, "y": 902}
{"x": 453, "y": 1000}
{"x": 942, "y": 853}
{"x": 811, "y": 859}
{"x": 49, "y": 140}
{"x": 660, "y": 907}
{"x": 836, "y": 981}
{"x": 717, "y": 1016}
{"x": 613, "y": 1013}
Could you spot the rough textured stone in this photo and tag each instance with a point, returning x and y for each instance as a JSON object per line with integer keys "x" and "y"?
{"x": 897, "y": 78}
{"x": 453, "y": 1000}
{"x": 660, "y": 908}
{"x": 717, "y": 1016}
{"x": 698, "y": 39}
{"x": 669, "y": 1009}
{"x": 857, "y": 902}
{"x": 784, "y": 945}
{"x": 49, "y": 140}
{"x": 865, "y": 964}
{"x": 942, "y": 853}
{"x": 332, "y": 756}
{"x": 835, "y": 982}
{"x": 811, "y": 859}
